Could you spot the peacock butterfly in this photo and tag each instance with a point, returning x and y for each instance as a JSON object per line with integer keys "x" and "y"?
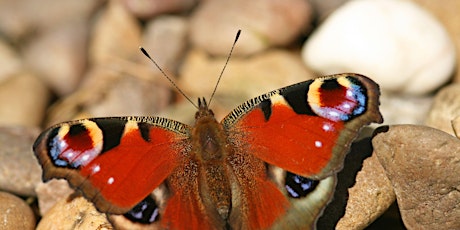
{"x": 269, "y": 164}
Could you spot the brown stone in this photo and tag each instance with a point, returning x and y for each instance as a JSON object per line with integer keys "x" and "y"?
{"x": 447, "y": 13}
{"x": 11, "y": 62}
{"x": 423, "y": 165}
{"x": 445, "y": 109}
{"x": 24, "y": 98}
{"x": 108, "y": 92}
{"x": 58, "y": 55}
{"x": 15, "y": 213}
{"x": 148, "y": 8}
{"x": 116, "y": 34}
{"x": 19, "y": 169}
{"x": 263, "y": 24}
{"x": 370, "y": 196}
{"x": 49, "y": 193}
{"x": 165, "y": 39}
{"x": 74, "y": 213}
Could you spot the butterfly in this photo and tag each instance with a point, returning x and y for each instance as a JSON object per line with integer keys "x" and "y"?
{"x": 269, "y": 164}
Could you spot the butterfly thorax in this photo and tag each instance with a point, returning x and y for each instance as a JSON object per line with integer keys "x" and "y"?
{"x": 211, "y": 151}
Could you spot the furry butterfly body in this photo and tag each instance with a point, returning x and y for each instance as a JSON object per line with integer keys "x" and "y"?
{"x": 270, "y": 164}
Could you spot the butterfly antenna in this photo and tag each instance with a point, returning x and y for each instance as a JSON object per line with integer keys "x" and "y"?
{"x": 167, "y": 77}
{"x": 225, "y": 65}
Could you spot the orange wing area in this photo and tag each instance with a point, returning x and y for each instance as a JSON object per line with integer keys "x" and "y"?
{"x": 185, "y": 208}
{"x": 115, "y": 162}
{"x": 257, "y": 201}
{"x": 265, "y": 204}
{"x": 127, "y": 173}
{"x": 182, "y": 212}
{"x": 298, "y": 143}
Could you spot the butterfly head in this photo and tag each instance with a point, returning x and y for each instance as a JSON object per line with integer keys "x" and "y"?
{"x": 203, "y": 109}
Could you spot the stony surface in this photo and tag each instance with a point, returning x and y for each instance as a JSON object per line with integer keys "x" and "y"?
{"x": 15, "y": 213}
{"x": 370, "y": 196}
{"x": 423, "y": 165}
{"x": 445, "y": 109}
{"x": 116, "y": 34}
{"x": 19, "y": 169}
{"x": 148, "y": 9}
{"x": 265, "y": 23}
{"x": 49, "y": 193}
{"x": 396, "y": 43}
{"x": 58, "y": 56}
{"x": 165, "y": 38}
{"x": 74, "y": 213}
{"x": 111, "y": 93}
{"x": 447, "y": 13}
{"x": 20, "y": 96}
{"x": 405, "y": 109}
{"x": 11, "y": 62}
{"x": 86, "y": 54}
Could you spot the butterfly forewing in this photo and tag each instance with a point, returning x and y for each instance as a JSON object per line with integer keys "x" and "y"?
{"x": 116, "y": 162}
{"x": 300, "y": 128}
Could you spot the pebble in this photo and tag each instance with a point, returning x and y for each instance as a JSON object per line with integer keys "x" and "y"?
{"x": 165, "y": 39}
{"x": 405, "y": 109}
{"x": 423, "y": 165}
{"x": 51, "y": 192}
{"x": 58, "y": 56}
{"x": 74, "y": 213}
{"x": 15, "y": 213}
{"x": 323, "y": 8}
{"x": 149, "y": 9}
{"x": 445, "y": 109}
{"x": 15, "y": 156}
{"x": 369, "y": 198}
{"x": 107, "y": 92}
{"x": 116, "y": 34}
{"x": 21, "y": 96}
{"x": 447, "y": 13}
{"x": 11, "y": 62}
{"x": 263, "y": 23}
{"x": 396, "y": 43}
{"x": 20, "y": 20}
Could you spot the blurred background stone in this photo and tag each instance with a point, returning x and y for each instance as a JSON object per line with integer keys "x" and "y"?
{"x": 116, "y": 34}
{"x": 11, "y": 62}
{"x": 148, "y": 8}
{"x": 445, "y": 109}
{"x": 19, "y": 170}
{"x": 265, "y": 24}
{"x": 396, "y": 43}
{"x": 23, "y": 99}
{"x": 15, "y": 213}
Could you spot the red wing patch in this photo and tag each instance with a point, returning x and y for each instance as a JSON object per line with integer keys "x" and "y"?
{"x": 300, "y": 144}
{"x": 114, "y": 174}
{"x": 306, "y": 128}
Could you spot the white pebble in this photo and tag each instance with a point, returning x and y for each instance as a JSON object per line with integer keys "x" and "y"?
{"x": 395, "y": 42}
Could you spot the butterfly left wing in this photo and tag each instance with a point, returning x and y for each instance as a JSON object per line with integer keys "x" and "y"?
{"x": 116, "y": 162}
{"x": 305, "y": 129}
